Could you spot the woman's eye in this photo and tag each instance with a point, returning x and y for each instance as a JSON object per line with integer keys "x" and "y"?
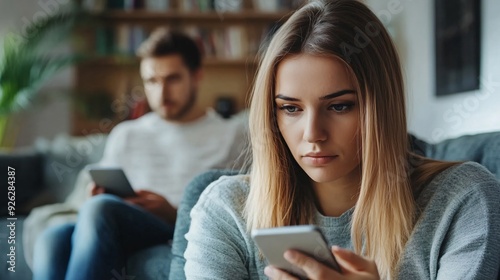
{"x": 289, "y": 108}
{"x": 341, "y": 108}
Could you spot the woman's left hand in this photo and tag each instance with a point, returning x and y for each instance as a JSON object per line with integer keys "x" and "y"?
{"x": 353, "y": 266}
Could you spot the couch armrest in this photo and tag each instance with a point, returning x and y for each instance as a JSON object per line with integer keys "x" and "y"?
{"x": 191, "y": 195}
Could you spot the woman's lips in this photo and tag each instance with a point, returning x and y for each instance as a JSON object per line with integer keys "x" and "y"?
{"x": 318, "y": 160}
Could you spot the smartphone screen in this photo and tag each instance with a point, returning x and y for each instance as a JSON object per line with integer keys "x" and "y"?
{"x": 308, "y": 239}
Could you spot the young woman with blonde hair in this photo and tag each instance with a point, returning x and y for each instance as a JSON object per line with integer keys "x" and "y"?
{"x": 330, "y": 148}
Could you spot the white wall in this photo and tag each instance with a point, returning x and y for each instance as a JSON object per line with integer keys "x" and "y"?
{"x": 52, "y": 116}
{"x": 436, "y": 118}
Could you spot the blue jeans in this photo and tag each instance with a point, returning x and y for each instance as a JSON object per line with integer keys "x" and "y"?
{"x": 97, "y": 246}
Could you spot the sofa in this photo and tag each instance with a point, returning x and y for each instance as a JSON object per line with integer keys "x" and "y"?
{"x": 47, "y": 172}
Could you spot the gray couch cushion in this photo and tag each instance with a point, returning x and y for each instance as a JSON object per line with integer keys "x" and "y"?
{"x": 482, "y": 148}
{"x": 64, "y": 157}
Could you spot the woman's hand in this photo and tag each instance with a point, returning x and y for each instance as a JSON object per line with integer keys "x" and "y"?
{"x": 352, "y": 265}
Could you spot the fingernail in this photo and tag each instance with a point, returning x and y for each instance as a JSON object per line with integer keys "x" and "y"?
{"x": 290, "y": 255}
{"x": 269, "y": 271}
{"x": 336, "y": 248}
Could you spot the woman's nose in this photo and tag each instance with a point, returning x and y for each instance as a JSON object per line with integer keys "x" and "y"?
{"x": 314, "y": 130}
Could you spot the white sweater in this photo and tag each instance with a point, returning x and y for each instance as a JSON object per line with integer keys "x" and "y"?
{"x": 163, "y": 157}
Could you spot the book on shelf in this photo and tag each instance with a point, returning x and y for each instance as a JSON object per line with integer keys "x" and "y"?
{"x": 196, "y": 5}
{"x": 232, "y": 42}
{"x": 203, "y": 6}
{"x": 228, "y": 5}
{"x": 121, "y": 39}
{"x": 137, "y": 36}
{"x": 235, "y": 39}
{"x": 104, "y": 40}
{"x": 127, "y": 5}
{"x": 94, "y": 6}
{"x": 211, "y": 5}
{"x": 97, "y": 6}
{"x": 276, "y": 5}
{"x": 157, "y": 5}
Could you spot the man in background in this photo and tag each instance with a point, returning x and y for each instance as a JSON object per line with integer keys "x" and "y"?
{"x": 160, "y": 152}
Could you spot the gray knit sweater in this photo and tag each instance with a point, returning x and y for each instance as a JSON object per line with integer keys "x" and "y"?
{"x": 457, "y": 235}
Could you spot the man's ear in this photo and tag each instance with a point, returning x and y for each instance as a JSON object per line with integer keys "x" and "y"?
{"x": 197, "y": 75}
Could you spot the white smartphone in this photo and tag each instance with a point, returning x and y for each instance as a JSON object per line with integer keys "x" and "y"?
{"x": 113, "y": 180}
{"x": 308, "y": 239}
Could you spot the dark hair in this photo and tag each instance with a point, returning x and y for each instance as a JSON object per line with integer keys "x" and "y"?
{"x": 165, "y": 42}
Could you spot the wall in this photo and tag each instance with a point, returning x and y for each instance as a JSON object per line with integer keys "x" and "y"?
{"x": 51, "y": 115}
{"x": 434, "y": 118}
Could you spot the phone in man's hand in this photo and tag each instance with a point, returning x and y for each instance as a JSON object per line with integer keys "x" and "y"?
{"x": 308, "y": 239}
{"x": 113, "y": 180}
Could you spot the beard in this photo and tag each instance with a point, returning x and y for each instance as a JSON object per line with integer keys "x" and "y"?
{"x": 185, "y": 109}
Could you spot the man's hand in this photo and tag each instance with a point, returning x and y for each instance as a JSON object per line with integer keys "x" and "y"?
{"x": 352, "y": 265}
{"x": 155, "y": 204}
{"x": 95, "y": 189}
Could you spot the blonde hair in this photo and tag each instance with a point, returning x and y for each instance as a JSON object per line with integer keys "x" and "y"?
{"x": 384, "y": 215}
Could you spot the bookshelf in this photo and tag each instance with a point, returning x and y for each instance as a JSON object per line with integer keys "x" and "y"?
{"x": 108, "y": 85}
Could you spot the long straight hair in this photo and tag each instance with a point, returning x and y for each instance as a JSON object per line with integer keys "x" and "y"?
{"x": 280, "y": 192}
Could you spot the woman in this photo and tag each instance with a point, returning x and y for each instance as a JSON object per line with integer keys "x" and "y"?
{"x": 329, "y": 143}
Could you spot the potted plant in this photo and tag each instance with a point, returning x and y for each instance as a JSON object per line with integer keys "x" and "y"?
{"x": 26, "y": 63}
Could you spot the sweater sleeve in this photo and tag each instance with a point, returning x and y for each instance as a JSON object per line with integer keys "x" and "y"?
{"x": 216, "y": 247}
{"x": 471, "y": 248}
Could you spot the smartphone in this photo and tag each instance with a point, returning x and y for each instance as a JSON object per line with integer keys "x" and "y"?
{"x": 113, "y": 180}
{"x": 308, "y": 239}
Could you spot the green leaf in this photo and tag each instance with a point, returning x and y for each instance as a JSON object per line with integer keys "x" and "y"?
{"x": 28, "y": 62}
